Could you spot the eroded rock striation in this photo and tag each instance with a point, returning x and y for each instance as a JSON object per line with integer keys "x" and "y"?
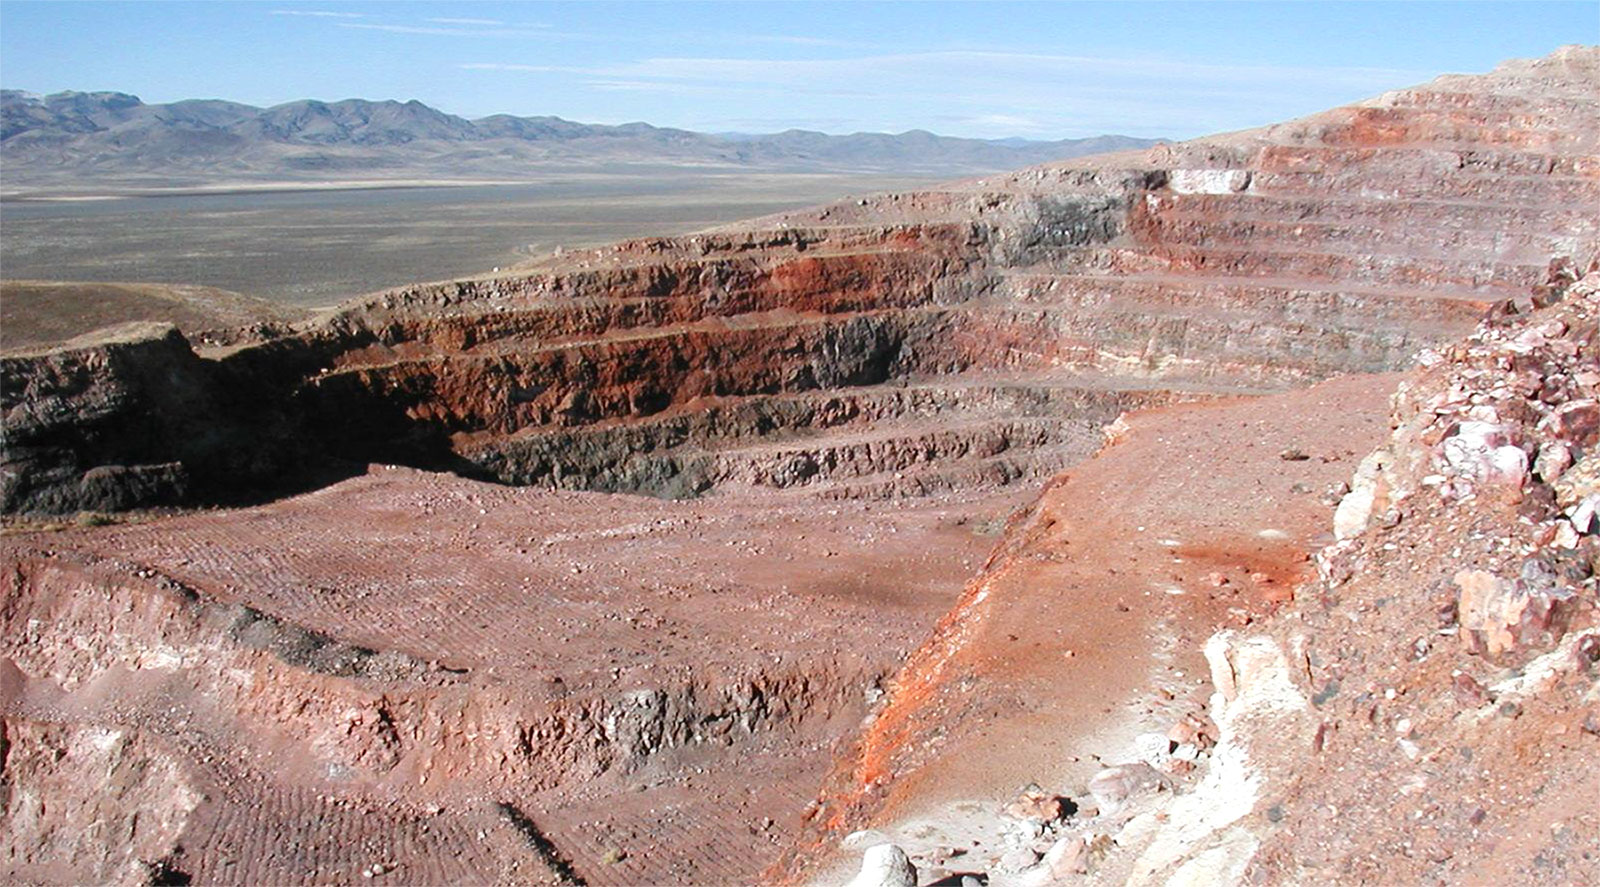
{"x": 502, "y": 673}
{"x": 918, "y": 342}
{"x": 1418, "y": 704}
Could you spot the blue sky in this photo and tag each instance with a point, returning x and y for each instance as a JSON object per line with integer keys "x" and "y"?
{"x": 1037, "y": 70}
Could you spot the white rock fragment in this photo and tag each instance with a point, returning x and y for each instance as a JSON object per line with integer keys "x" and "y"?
{"x": 863, "y": 839}
{"x": 885, "y": 865}
{"x": 1208, "y": 181}
{"x": 1367, "y": 487}
{"x": 1483, "y": 453}
{"x": 1114, "y": 787}
{"x": 1583, "y": 514}
{"x": 1554, "y": 458}
{"x": 1152, "y": 748}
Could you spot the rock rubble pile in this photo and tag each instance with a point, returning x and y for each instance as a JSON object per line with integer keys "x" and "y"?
{"x": 1506, "y": 421}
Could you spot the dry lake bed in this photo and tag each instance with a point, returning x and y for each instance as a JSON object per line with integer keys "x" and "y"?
{"x": 311, "y": 248}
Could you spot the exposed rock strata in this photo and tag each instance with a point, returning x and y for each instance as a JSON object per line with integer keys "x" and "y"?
{"x": 1248, "y": 262}
{"x": 1424, "y": 710}
{"x": 130, "y": 417}
{"x": 426, "y": 678}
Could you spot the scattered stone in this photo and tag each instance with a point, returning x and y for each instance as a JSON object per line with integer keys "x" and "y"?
{"x": 1554, "y": 458}
{"x": 1578, "y": 482}
{"x": 1575, "y": 422}
{"x": 1068, "y": 856}
{"x": 1591, "y": 724}
{"x": 1319, "y": 740}
{"x": 1114, "y": 787}
{"x": 1017, "y": 859}
{"x": 1154, "y": 749}
{"x": 885, "y": 865}
{"x": 1037, "y": 805}
{"x": 1025, "y": 831}
{"x": 1476, "y": 443}
{"x": 1188, "y": 732}
{"x": 1587, "y": 650}
{"x": 1586, "y": 515}
{"x": 1498, "y": 617}
{"x": 1469, "y": 692}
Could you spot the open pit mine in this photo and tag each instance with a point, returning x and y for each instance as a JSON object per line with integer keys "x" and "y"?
{"x": 1058, "y": 527}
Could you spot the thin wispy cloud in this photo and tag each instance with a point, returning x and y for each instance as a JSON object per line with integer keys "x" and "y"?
{"x": 772, "y": 124}
{"x": 703, "y": 90}
{"x": 498, "y": 66}
{"x": 1014, "y": 93}
{"x": 998, "y": 65}
{"x": 465, "y": 21}
{"x": 668, "y": 87}
{"x": 315, "y": 13}
{"x": 644, "y": 86}
{"x": 1001, "y": 123}
{"x": 486, "y": 27}
{"x": 455, "y": 31}
{"x": 711, "y": 90}
{"x": 982, "y": 64}
{"x": 795, "y": 40}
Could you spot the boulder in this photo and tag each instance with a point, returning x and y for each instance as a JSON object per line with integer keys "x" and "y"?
{"x": 1114, "y": 788}
{"x": 1499, "y": 616}
{"x": 885, "y": 865}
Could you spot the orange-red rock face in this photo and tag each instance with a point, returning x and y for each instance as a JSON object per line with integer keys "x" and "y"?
{"x": 1249, "y": 262}
{"x": 1087, "y": 625}
{"x": 941, "y": 344}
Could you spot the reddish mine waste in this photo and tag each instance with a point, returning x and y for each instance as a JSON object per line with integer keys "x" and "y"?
{"x": 1097, "y": 522}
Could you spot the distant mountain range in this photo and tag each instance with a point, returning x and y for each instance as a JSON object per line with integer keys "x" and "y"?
{"x": 85, "y": 140}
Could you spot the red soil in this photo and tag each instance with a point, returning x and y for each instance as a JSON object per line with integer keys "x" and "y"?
{"x": 1074, "y": 639}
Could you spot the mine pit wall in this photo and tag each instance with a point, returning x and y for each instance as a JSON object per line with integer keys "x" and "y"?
{"x": 1216, "y": 268}
{"x": 526, "y": 379}
{"x": 585, "y": 384}
{"x": 136, "y": 421}
{"x": 1239, "y": 352}
{"x": 826, "y": 437}
{"x": 221, "y": 702}
{"x": 505, "y": 372}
